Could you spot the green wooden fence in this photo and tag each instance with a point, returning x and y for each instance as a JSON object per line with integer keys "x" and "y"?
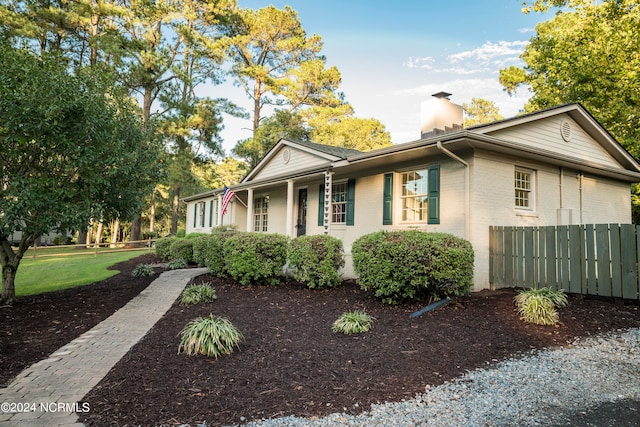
{"x": 600, "y": 259}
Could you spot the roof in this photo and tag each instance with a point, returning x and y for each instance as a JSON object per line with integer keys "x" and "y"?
{"x": 329, "y": 149}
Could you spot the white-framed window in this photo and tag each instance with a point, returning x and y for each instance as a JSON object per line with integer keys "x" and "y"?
{"x": 201, "y": 213}
{"x": 261, "y": 213}
{"x": 414, "y": 197}
{"x": 339, "y": 203}
{"x": 524, "y": 185}
{"x": 213, "y": 213}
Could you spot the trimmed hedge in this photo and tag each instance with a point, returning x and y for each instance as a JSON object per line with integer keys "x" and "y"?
{"x": 315, "y": 260}
{"x": 200, "y": 245}
{"x": 162, "y": 247}
{"x": 255, "y": 258}
{"x": 411, "y": 265}
{"x": 181, "y": 248}
{"x": 214, "y": 258}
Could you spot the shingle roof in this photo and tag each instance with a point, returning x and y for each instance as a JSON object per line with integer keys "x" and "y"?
{"x": 341, "y": 152}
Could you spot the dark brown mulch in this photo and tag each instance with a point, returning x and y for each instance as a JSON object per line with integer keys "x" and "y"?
{"x": 36, "y": 326}
{"x": 291, "y": 363}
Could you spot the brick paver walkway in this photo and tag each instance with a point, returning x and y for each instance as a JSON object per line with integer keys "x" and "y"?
{"x": 49, "y": 392}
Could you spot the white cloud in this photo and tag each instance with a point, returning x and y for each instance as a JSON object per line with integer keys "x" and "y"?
{"x": 424, "y": 62}
{"x": 490, "y": 50}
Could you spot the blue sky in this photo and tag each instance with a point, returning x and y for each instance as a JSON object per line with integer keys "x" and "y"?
{"x": 394, "y": 55}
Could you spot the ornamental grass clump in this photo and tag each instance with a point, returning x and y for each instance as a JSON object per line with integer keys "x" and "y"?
{"x": 211, "y": 336}
{"x": 539, "y": 306}
{"x": 353, "y": 322}
{"x": 198, "y": 293}
{"x": 177, "y": 263}
{"x": 142, "y": 270}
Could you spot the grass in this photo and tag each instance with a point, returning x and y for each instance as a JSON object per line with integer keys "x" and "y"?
{"x": 353, "y": 322}
{"x": 47, "y": 274}
{"x": 211, "y": 336}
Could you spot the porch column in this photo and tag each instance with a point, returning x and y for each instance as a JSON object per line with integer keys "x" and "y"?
{"x": 289, "y": 220}
{"x": 249, "y": 209}
{"x": 219, "y": 212}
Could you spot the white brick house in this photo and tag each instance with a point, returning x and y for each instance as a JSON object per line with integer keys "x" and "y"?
{"x": 553, "y": 167}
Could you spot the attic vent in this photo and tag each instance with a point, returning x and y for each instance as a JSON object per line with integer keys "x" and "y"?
{"x": 565, "y": 130}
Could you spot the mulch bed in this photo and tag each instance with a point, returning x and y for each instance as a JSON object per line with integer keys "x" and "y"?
{"x": 290, "y": 362}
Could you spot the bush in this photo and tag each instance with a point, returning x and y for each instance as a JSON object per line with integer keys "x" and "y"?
{"x": 196, "y": 294}
{"x": 316, "y": 260}
{"x": 200, "y": 245}
{"x": 353, "y": 322}
{"x": 180, "y": 234}
{"x": 411, "y": 265}
{"x": 539, "y": 305}
{"x": 211, "y": 336}
{"x": 181, "y": 248}
{"x": 162, "y": 247}
{"x": 214, "y": 252}
{"x": 142, "y": 270}
{"x": 177, "y": 263}
{"x": 255, "y": 257}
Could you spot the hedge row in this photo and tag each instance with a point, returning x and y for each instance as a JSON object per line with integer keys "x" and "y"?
{"x": 396, "y": 266}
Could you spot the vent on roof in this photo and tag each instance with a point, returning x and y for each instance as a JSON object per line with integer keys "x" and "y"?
{"x": 565, "y": 130}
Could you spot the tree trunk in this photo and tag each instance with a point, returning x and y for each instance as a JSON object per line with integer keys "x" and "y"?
{"x": 175, "y": 210}
{"x": 115, "y": 232}
{"x": 136, "y": 228}
{"x": 8, "y": 284}
{"x": 98, "y": 235}
{"x": 152, "y": 215}
{"x": 82, "y": 237}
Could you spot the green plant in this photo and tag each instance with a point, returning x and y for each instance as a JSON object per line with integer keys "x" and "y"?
{"x": 200, "y": 245}
{"x": 211, "y": 336}
{"x": 196, "y": 294}
{"x": 162, "y": 247}
{"x": 142, "y": 270}
{"x": 181, "y": 248}
{"x": 255, "y": 258}
{"x": 214, "y": 251}
{"x": 316, "y": 260}
{"x": 353, "y": 322}
{"x": 539, "y": 305}
{"x": 411, "y": 265}
{"x": 177, "y": 263}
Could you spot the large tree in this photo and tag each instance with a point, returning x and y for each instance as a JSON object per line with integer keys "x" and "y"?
{"x": 73, "y": 148}
{"x": 480, "y": 111}
{"x": 589, "y": 55}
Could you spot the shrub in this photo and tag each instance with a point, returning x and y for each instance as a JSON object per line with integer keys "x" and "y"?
{"x": 353, "y": 322}
{"x": 181, "y": 248}
{"x": 142, "y": 270}
{"x": 211, "y": 336}
{"x": 214, "y": 252}
{"x": 255, "y": 257}
{"x": 200, "y": 245}
{"x": 196, "y": 294}
{"x": 177, "y": 263}
{"x": 316, "y": 260}
{"x": 162, "y": 247}
{"x": 180, "y": 234}
{"x": 410, "y": 265}
{"x": 539, "y": 305}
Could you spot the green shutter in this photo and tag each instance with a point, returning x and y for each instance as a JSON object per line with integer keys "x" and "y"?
{"x": 195, "y": 215}
{"x": 387, "y": 200}
{"x": 434, "y": 195}
{"x": 321, "y": 205}
{"x": 351, "y": 201}
{"x": 211, "y": 213}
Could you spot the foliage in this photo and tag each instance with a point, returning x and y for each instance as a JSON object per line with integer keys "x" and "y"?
{"x": 200, "y": 246}
{"x": 177, "y": 263}
{"x": 539, "y": 305}
{"x": 181, "y": 248}
{"x": 163, "y": 246}
{"x": 255, "y": 258}
{"x": 214, "y": 258}
{"x": 142, "y": 270}
{"x": 353, "y": 322}
{"x": 410, "y": 265}
{"x": 198, "y": 293}
{"x": 480, "y": 111}
{"x": 210, "y": 336}
{"x": 73, "y": 148}
{"x": 587, "y": 55}
{"x": 316, "y": 260}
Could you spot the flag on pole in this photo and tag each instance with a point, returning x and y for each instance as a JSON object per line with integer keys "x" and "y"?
{"x": 227, "y": 196}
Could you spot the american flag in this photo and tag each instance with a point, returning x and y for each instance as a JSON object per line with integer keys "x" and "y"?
{"x": 227, "y": 196}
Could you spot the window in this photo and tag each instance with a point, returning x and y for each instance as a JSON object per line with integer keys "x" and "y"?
{"x": 213, "y": 213}
{"x": 523, "y": 183}
{"x": 339, "y": 203}
{"x": 200, "y": 208}
{"x": 415, "y": 196}
{"x": 261, "y": 213}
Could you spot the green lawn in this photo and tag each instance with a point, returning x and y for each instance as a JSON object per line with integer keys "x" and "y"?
{"x": 48, "y": 274}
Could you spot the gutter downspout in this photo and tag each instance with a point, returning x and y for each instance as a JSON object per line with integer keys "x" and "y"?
{"x": 467, "y": 192}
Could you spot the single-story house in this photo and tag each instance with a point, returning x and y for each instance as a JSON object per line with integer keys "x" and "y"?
{"x": 553, "y": 167}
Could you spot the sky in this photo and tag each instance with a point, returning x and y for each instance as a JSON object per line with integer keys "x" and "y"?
{"x": 392, "y": 56}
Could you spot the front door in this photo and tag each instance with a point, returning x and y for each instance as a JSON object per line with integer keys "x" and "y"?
{"x": 301, "y": 223}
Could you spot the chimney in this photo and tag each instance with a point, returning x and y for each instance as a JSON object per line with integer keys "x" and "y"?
{"x": 439, "y": 115}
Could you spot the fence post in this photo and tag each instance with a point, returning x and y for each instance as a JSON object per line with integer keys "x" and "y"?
{"x": 629, "y": 268}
